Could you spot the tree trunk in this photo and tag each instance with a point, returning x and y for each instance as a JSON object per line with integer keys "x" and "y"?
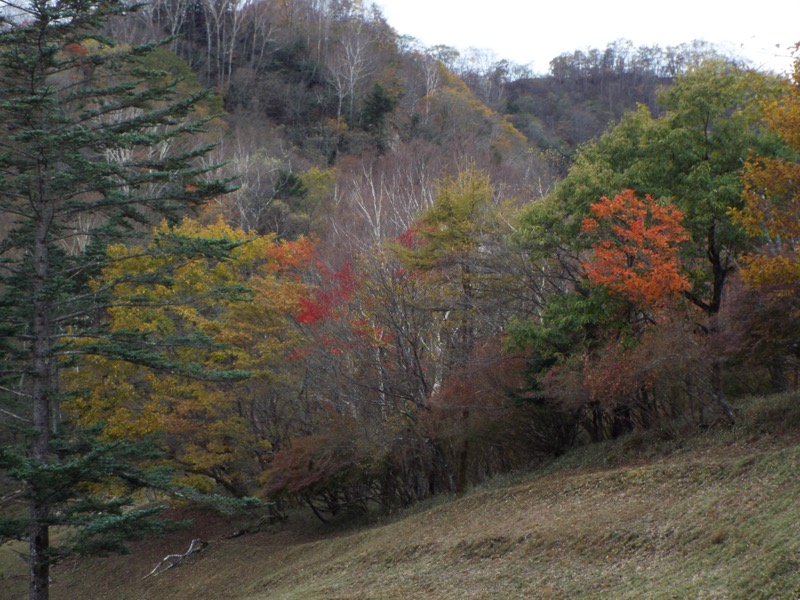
{"x": 777, "y": 374}
{"x": 43, "y": 385}
{"x": 463, "y": 457}
{"x": 39, "y": 565}
{"x": 720, "y": 272}
{"x": 717, "y": 391}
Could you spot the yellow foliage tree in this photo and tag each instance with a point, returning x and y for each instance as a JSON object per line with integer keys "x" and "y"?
{"x": 771, "y": 212}
{"x": 240, "y": 311}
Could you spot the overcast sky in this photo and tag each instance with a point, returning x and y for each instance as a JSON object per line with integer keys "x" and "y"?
{"x": 531, "y": 32}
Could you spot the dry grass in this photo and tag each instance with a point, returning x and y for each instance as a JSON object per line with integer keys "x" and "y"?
{"x": 711, "y": 516}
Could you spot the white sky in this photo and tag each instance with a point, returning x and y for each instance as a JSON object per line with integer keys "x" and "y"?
{"x": 532, "y": 32}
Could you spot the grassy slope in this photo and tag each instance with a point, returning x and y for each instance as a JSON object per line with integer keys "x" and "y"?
{"x": 711, "y": 516}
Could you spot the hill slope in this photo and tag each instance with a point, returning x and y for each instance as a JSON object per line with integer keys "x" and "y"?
{"x": 714, "y": 516}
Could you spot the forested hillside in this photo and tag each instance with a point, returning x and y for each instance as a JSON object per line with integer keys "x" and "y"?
{"x": 271, "y": 255}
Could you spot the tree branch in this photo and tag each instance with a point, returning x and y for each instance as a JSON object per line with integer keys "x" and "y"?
{"x": 173, "y": 560}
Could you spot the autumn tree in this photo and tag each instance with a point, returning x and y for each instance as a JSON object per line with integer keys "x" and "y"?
{"x": 215, "y": 433}
{"x": 770, "y": 214}
{"x": 629, "y": 283}
{"x": 771, "y": 211}
{"x": 390, "y": 333}
{"x": 637, "y": 255}
{"x": 86, "y": 157}
{"x": 454, "y": 236}
{"x": 689, "y": 157}
{"x": 456, "y": 248}
{"x": 352, "y": 405}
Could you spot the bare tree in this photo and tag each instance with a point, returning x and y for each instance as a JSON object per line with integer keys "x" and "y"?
{"x": 350, "y": 63}
{"x": 379, "y": 197}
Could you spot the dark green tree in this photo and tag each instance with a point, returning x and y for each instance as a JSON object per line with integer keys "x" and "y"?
{"x": 93, "y": 149}
{"x": 378, "y": 105}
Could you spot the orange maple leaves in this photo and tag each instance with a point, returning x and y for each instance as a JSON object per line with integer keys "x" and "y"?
{"x": 637, "y": 255}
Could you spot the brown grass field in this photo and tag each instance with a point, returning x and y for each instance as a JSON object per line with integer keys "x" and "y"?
{"x": 714, "y": 514}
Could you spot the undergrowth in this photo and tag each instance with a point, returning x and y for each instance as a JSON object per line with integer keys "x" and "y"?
{"x": 680, "y": 512}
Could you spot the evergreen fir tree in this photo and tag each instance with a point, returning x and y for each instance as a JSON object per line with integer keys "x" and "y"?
{"x": 90, "y": 154}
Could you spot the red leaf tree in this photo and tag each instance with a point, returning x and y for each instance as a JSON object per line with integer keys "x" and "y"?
{"x": 637, "y": 254}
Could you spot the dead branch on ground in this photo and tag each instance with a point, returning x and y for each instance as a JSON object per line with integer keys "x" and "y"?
{"x": 173, "y": 560}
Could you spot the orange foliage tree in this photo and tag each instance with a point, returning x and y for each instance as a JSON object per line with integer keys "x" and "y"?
{"x": 638, "y": 252}
{"x": 636, "y": 257}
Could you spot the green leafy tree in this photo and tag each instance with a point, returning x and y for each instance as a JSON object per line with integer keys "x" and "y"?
{"x": 90, "y": 151}
{"x": 690, "y": 157}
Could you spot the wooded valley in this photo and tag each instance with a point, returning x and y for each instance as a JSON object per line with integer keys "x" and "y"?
{"x": 273, "y": 255}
